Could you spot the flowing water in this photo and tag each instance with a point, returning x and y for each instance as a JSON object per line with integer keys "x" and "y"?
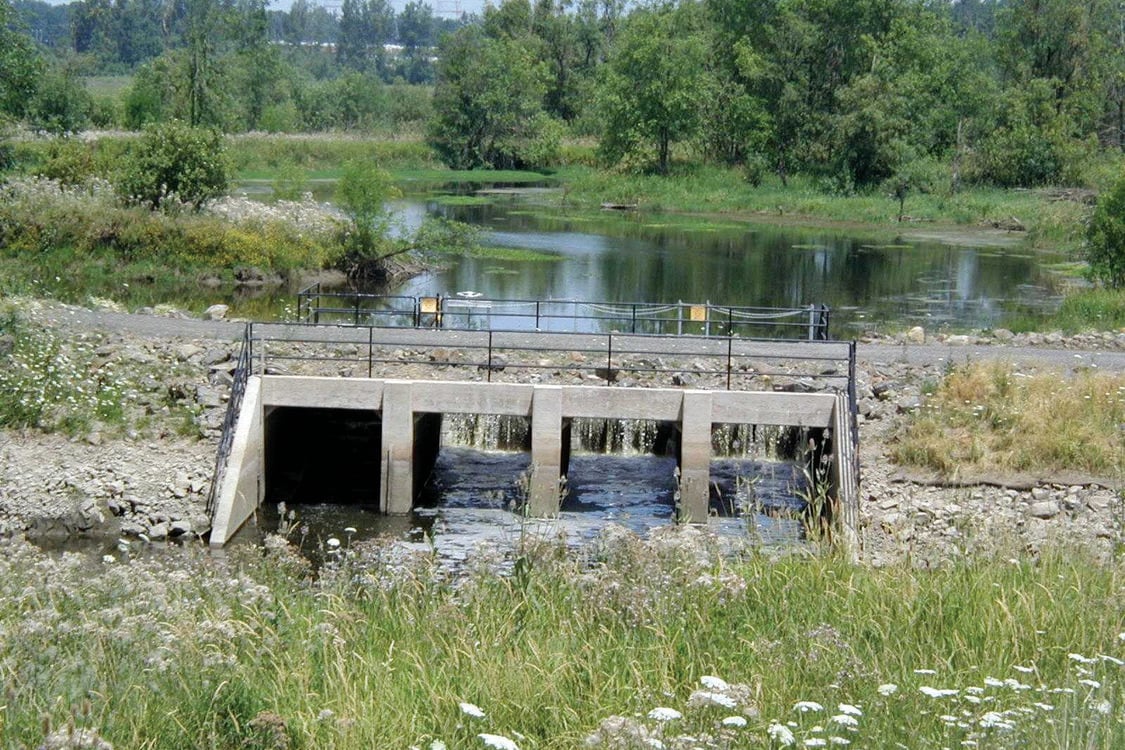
{"x": 620, "y": 471}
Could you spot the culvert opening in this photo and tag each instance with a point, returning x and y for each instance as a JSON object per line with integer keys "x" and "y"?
{"x": 482, "y": 463}
{"x": 323, "y": 456}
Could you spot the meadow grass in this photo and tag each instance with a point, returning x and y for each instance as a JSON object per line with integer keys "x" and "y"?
{"x": 1098, "y": 309}
{"x": 633, "y": 641}
{"x": 991, "y": 417}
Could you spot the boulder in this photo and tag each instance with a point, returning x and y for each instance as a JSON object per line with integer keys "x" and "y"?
{"x": 216, "y": 312}
{"x": 916, "y": 335}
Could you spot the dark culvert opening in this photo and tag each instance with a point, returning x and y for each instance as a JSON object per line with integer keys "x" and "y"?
{"x": 323, "y": 456}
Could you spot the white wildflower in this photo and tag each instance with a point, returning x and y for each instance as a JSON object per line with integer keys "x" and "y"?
{"x": 471, "y": 709}
{"x": 993, "y": 682}
{"x": 839, "y": 740}
{"x": 663, "y": 713}
{"x": 711, "y": 682}
{"x": 349, "y": 529}
{"x": 333, "y": 542}
{"x": 1111, "y": 660}
{"x": 1090, "y": 683}
{"x": 1016, "y": 685}
{"x": 438, "y": 745}
{"x": 938, "y": 692}
{"x": 734, "y": 721}
{"x": 806, "y": 706}
{"x": 993, "y": 720}
{"x": 109, "y": 559}
{"x": 887, "y": 688}
{"x": 701, "y": 698}
{"x": 781, "y": 734}
{"x": 1082, "y": 659}
{"x": 845, "y": 720}
{"x": 498, "y": 741}
{"x": 1044, "y": 706}
{"x": 849, "y": 709}
{"x": 815, "y": 742}
{"x": 925, "y": 671}
{"x": 1025, "y": 670}
{"x": 1103, "y": 707}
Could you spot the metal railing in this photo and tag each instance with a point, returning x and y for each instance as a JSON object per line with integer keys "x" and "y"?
{"x": 472, "y": 311}
{"x": 237, "y": 390}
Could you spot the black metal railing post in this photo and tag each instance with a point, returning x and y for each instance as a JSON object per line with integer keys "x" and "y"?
{"x": 488, "y": 375}
{"x": 730, "y": 357}
{"x": 370, "y": 349}
{"x": 609, "y": 358}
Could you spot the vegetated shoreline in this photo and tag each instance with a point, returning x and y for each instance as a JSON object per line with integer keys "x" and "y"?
{"x": 151, "y": 476}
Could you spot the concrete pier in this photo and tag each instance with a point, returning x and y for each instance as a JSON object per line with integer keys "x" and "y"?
{"x": 410, "y": 413}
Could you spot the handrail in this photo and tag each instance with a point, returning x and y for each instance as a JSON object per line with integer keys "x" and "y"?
{"x": 471, "y": 311}
{"x": 237, "y": 390}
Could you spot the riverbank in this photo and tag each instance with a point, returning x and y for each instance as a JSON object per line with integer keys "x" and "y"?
{"x": 149, "y": 473}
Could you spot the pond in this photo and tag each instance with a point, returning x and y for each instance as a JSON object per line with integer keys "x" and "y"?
{"x": 614, "y": 256}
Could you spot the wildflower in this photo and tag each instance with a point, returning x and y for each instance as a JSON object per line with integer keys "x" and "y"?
{"x": 663, "y": 713}
{"x": 993, "y": 720}
{"x": 1025, "y": 670}
{"x": 815, "y": 742}
{"x": 714, "y": 683}
{"x": 925, "y": 671}
{"x": 438, "y": 745}
{"x": 1111, "y": 660}
{"x": 993, "y": 682}
{"x": 349, "y": 529}
{"x": 734, "y": 721}
{"x": 887, "y": 688}
{"x": 781, "y": 734}
{"x": 839, "y": 740}
{"x": 1090, "y": 683}
{"x": 1082, "y": 659}
{"x": 1016, "y": 684}
{"x": 805, "y": 706}
{"x": 473, "y": 710}
{"x": 1121, "y": 637}
{"x": 849, "y": 709}
{"x": 701, "y": 698}
{"x": 937, "y": 692}
{"x": 845, "y": 720}
{"x": 1044, "y": 706}
{"x": 1103, "y": 707}
{"x": 109, "y": 559}
{"x": 498, "y": 741}
{"x": 333, "y": 542}
{"x": 325, "y": 714}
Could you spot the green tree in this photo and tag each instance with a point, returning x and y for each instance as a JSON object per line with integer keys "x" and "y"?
{"x": 1105, "y": 238}
{"x": 175, "y": 163}
{"x": 61, "y": 103}
{"x": 654, "y": 87}
{"x": 20, "y": 65}
{"x": 488, "y": 104}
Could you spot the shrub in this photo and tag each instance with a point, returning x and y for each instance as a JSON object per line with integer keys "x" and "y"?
{"x": 1105, "y": 238}
{"x": 175, "y": 163}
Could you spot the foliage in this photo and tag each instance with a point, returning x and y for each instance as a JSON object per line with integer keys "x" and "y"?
{"x": 654, "y": 88}
{"x": 20, "y": 65}
{"x": 488, "y": 104}
{"x": 175, "y": 163}
{"x": 1105, "y": 238}
{"x": 265, "y": 653}
{"x": 988, "y": 417}
{"x": 1091, "y": 310}
{"x": 61, "y": 104}
{"x": 362, "y": 194}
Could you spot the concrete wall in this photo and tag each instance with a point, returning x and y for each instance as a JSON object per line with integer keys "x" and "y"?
{"x": 404, "y": 406}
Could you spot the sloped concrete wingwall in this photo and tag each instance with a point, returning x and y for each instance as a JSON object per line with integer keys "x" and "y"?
{"x": 240, "y": 491}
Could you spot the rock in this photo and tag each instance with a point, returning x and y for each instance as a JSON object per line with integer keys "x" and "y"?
{"x": 71, "y": 738}
{"x": 214, "y": 357}
{"x": 681, "y": 379}
{"x": 908, "y": 404}
{"x": 185, "y": 352}
{"x": 1044, "y": 510}
{"x": 180, "y": 528}
{"x": 208, "y": 397}
{"x": 216, "y": 312}
{"x": 916, "y": 335}
{"x": 959, "y": 340}
{"x": 1003, "y": 334}
{"x": 158, "y": 531}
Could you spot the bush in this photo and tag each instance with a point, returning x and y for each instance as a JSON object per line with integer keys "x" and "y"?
{"x": 1105, "y": 238}
{"x": 175, "y": 163}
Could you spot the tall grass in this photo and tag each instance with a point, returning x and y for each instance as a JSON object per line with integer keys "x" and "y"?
{"x": 382, "y": 650}
{"x": 991, "y": 417}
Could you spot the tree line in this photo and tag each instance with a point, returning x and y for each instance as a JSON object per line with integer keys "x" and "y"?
{"x": 857, "y": 93}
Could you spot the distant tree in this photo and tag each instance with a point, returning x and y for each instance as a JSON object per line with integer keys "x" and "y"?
{"x": 20, "y": 65}
{"x": 1105, "y": 238}
{"x": 488, "y": 104}
{"x": 365, "y": 26}
{"x": 654, "y": 87}
{"x": 416, "y": 35}
{"x": 61, "y": 103}
{"x": 175, "y": 163}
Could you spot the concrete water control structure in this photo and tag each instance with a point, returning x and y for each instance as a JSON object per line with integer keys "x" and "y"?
{"x": 401, "y": 420}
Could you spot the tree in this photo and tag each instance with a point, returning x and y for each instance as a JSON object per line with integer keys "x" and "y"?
{"x": 175, "y": 163}
{"x": 1105, "y": 238}
{"x": 365, "y": 26}
{"x": 362, "y": 194}
{"x": 416, "y": 35}
{"x": 488, "y": 104}
{"x": 654, "y": 87}
{"x": 20, "y": 65}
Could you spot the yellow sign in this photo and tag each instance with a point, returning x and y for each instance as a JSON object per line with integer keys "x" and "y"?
{"x": 429, "y": 304}
{"x": 698, "y": 313}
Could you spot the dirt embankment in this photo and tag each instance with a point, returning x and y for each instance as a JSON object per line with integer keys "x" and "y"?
{"x": 151, "y": 477}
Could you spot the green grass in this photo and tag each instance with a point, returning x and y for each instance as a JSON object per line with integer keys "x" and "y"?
{"x": 107, "y": 86}
{"x": 1090, "y": 310}
{"x": 173, "y": 651}
{"x": 990, "y": 417}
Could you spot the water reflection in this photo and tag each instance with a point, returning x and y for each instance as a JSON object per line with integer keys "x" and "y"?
{"x": 624, "y": 259}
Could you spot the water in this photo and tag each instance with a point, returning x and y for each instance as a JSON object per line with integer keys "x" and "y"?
{"x": 616, "y": 257}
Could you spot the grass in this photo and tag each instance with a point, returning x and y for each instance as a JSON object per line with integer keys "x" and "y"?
{"x": 993, "y": 418}
{"x": 1090, "y": 309}
{"x": 384, "y": 649}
